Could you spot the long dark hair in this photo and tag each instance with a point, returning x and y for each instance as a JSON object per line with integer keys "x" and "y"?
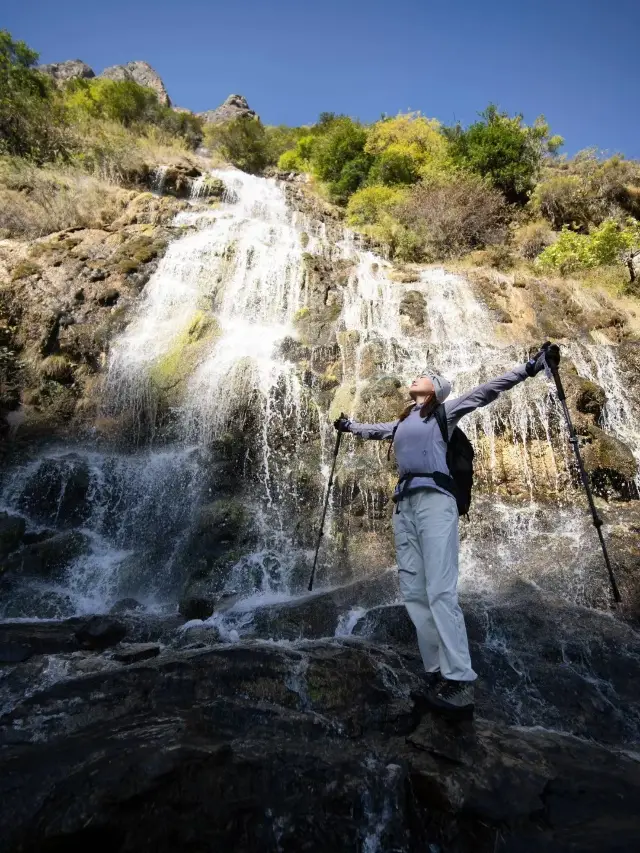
{"x": 425, "y": 410}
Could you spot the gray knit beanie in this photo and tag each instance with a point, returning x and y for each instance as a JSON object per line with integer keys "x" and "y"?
{"x": 442, "y": 386}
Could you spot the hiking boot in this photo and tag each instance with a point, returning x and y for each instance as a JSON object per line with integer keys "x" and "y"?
{"x": 433, "y": 679}
{"x": 453, "y": 697}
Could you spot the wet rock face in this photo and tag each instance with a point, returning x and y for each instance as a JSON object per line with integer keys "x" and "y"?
{"x": 142, "y": 74}
{"x": 263, "y": 748}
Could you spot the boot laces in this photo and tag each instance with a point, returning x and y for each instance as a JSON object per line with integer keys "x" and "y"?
{"x": 451, "y": 688}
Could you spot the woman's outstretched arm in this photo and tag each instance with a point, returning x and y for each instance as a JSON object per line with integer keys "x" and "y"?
{"x": 375, "y": 432}
{"x": 482, "y": 395}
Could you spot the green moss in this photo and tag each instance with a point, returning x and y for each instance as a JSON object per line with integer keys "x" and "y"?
{"x": 342, "y": 400}
{"x": 301, "y": 314}
{"x": 24, "y": 270}
{"x": 140, "y": 250}
{"x": 57, "y": 368}
{"x": 173, "y": 369}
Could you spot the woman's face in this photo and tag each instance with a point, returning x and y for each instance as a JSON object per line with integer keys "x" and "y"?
{"x": 422, "y": 386}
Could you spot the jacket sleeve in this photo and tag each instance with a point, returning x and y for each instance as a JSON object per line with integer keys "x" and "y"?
{"x": 482, "y": 395}
{"x": 375, "y": 432}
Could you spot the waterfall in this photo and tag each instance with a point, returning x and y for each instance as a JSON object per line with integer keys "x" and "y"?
{"x": 216, "y": 320}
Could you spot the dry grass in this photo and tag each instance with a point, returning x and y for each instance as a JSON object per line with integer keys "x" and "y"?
{"x": 38, "y": 201}
{"x": 87, "y": 192}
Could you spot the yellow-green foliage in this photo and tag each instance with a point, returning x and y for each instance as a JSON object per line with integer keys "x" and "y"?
{"x": 412, "y": 138}
{"x": 369, "y": 205}
{"x": 169, "y": 374}
{"x": 605, "y": 245}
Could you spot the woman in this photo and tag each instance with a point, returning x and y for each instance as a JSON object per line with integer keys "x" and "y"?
{"x": 425, "y": 526}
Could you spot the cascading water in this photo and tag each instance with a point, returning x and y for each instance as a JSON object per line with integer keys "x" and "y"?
{"x": 215, "y": 318}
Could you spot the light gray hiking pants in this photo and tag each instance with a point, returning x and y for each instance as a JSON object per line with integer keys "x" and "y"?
{"x": 426, "y": 534}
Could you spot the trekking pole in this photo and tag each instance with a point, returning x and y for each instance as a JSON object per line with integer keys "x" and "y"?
{"x": 552, "y": 360}
{"x": 326, "y": 504}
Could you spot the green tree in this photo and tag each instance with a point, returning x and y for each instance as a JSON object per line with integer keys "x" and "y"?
{"x": 241, "y": 141}
{"x": 406, "y": 148}
{"x": 505, "y": 150}
{"x": 338, "y": 157}
{"x": 31, "y": 115}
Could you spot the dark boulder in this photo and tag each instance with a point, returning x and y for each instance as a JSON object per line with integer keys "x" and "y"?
{"x": 126, "y": 605}
{"x": 57, "y": 490}
{"x": 48, "y": 558}
{"x": 324, "y": 747}
{"x": 12, "y": 529}
{"x": 100, "y": 632}
{"x": 136, "y": 652}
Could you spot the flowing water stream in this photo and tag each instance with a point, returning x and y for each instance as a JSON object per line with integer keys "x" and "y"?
{"x": 232, "y": 288}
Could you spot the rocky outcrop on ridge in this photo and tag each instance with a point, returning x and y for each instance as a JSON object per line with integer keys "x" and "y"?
{"x": 141, "y": 73}
{"x": 235, "y": 106}
{"x": 72, "y": 69}
{"x": 138, "y": 71}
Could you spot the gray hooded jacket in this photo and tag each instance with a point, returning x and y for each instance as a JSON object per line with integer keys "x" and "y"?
{"x": 418, "y": 444}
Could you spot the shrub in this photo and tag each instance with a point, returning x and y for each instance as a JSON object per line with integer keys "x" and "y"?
{"x": 505, "y": 150}
{"x": 129, "y": 104}
{"x": 338, "y": 157}
{"x": 533, "y": 238}
{"x": 456, "y": 217}
{"x": 32, "y": 121}
{"x": 241, "y": 141}
{"x": 369, "y": 204}
{"x": 392, "y": 168}
{"x": 289, "y": 161}
{"x": 38, "y": 201}
{"x": 406, "y": 148}
{"x": 563, "y": 200}
{"x": 281, "y": 139}
{"x": 606, "y": 245}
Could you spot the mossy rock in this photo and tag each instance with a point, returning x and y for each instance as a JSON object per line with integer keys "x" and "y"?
{"x": 316, "y": 326}
{"x": 218, "y": 527}
{"x": 412, "y": 309}
{"x": 371, "y": 360}
{"x": 611, "y": 464}
{"x": 171, "y": 372}
{"x": 342, "y": 400}
{"x": 138, "y": 251}
{"x": 57, "y": 368}
{"x": 590, "y": 398}
{"x": 331, "y": 377}
{"x": 381, "y": 400}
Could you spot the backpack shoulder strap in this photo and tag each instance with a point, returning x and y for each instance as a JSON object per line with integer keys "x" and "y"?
{"x": 440, "y": 415}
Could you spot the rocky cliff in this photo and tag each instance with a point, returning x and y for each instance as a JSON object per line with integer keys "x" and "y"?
{"x": 169, "y": 379}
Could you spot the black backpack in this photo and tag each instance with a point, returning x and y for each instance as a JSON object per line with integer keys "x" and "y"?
{"x": 460, "y": 455}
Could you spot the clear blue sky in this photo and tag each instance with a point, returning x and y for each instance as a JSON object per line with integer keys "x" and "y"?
{"x": 576, "y": 61}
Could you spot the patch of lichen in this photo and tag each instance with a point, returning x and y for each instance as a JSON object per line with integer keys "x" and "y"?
{"x": 24, "y": 269}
